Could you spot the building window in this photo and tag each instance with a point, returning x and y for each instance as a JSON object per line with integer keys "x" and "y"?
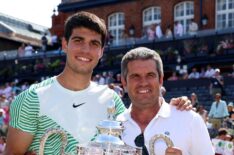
{"x": 151, "y": 16}
{"x": 224, "y": 14}
{"x": 116, "y": 26}
{"x": 183, "y": 13}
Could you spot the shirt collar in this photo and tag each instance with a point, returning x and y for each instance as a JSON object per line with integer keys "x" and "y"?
{"x": 164, "y": 111}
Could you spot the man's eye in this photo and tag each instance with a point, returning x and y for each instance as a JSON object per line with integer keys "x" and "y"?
{"x": 77, "y": 40}
{"x": 97, "y": 44}
{"x": 134, "y": 76}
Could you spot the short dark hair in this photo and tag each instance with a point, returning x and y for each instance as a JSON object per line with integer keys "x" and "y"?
{"x": 141, "y": 53}
{"x": 86, "y": 20}
{"x": 222, "y": 131}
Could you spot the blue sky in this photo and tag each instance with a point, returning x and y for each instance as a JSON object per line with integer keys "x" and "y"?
{"x": 35, "y": 11}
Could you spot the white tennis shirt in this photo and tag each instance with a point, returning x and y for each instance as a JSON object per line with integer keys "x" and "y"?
{"x": 185, "y": 128}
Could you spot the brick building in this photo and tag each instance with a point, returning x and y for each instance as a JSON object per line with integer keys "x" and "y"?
{"x": 123, "y": 15}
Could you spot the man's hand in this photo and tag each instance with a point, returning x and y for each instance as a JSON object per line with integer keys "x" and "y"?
{"x": 182, "y": 103}
{"x": 173, "y": 151}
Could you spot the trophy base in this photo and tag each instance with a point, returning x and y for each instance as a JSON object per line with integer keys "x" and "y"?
{"x": 94, "y": 148}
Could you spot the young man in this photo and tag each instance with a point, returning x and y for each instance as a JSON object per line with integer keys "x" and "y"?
{"x": 69, "y": 101}
{"x": 149, "y": 114}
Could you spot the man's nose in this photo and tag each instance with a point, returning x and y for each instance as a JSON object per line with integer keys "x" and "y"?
{"x": 143, "y": 81}
{"x": 85, "y": 47}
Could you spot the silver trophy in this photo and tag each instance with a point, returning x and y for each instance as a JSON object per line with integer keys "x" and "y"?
{"x": 107, "y": 142}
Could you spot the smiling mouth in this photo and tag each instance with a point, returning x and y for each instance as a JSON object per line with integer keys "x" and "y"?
{"x": 145, "y": 91}
{"x": 83, "y": 59}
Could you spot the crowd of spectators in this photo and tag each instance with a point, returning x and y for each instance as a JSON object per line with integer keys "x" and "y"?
{"x": 51, "y": 43}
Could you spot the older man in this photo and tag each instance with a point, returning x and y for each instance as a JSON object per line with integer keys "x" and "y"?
{"x": 149, "y": 114}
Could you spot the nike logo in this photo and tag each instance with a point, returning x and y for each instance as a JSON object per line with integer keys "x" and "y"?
{"x": 77, "y": 105}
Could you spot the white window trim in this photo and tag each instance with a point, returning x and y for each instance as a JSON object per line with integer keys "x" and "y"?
{"x": 148, "y": 23}
{"x": 185, "y": 17}
{"x": 226, "y": 12}
{"x": 116, "y": 27}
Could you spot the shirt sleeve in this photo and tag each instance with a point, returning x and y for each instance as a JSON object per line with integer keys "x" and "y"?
{"x": 211, "y": 113}
{"x": 24, "y": 112}
{"x": 119, "y": 105}
{"x": 226, "y": 114}
{"x": 200, "y": 142}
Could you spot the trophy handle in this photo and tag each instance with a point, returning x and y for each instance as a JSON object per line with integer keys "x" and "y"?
{"x": 47, "y": 134}
{"x": 165, "y": 138}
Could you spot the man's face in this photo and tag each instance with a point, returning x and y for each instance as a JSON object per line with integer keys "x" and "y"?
{"x": 143, "y": 83}
{"x": 83, "y": 50}
{"x": 217, "y": 97}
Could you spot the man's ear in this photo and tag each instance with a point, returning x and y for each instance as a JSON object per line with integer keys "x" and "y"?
{"x": 101, "y": 53}
{"x": 124, "y": 82}
{"x": 64, "y": 45}
{"x": 161, "y": 81}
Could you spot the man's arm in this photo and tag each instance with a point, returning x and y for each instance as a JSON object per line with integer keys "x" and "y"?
{"x": 17, "y": 141}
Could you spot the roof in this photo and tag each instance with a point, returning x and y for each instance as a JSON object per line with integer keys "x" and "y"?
{"x": 20, "y": 30}
{"x": 73, "y": 5}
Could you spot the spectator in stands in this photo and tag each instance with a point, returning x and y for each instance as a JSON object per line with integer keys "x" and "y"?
{"x": 55, "y": 42}
{"x": 117, "y": 89}
{"x": 231, "y": 110}
{"x": 102, "y": 79}
{"x": 149, "y": 114}
{"x": 184, "y": 75}
{"x": 194, "y": 100}
{"x": 222, "y": 133}
{"x": 193, "y": 27}
{"x": 218, "y": 112}
{"x": 44, "y": 43}
{"x": 124, "y": 38}
{"x": 24, "y": 86}
{"x": 110, "y": 78}
{"x": 151, "y": 32}
{"x": 2, "y": 116}
{"x": 118, "y": 79}
{"x": 7, "y": 90}
{"x": 168, "y": 33}
{"x": 202, "y": 73}
{"x": 209, "y": 72}
{"x": 15, "y": 88}
{"x": 4, "y": 102}
{"x": 178, "y": 29}
{"x": 230, "y": 119}
{"x": 194, "y": 74}
{"x": 66, "y": 101}
{"x": 21, "y": 50}
{"x": 2, "y": 145}
{"x": 158, "y": 31}
{"x": 39, "y": 66}
{"x": 6, "y": 119}
{"x": 232, "y": 73}
{"x": 217, "y": 83}
{"x": 110, "y": 38}
{"x": 202, "y": 112}
{"x": 28, "y": 50}
{"x": 173, "y": 77}
{"x": 163, "y": 91}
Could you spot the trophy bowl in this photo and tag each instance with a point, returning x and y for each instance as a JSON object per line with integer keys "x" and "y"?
{"x": 108, "y": 141}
